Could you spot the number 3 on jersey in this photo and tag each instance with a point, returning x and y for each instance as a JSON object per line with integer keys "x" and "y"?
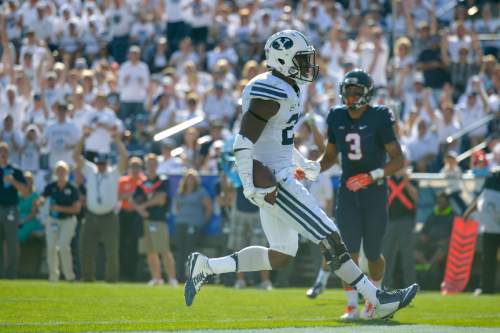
{"x": 287, "y": 133}
{"x": 354, "y": 141}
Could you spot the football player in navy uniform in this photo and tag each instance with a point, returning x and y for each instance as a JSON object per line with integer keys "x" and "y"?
{"x": 364, "y": 136}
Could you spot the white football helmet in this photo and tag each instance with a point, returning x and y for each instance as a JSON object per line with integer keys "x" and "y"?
{"x": 290, "y": 53}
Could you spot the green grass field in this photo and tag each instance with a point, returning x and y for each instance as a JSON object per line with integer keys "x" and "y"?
{"x": 39, "y": 306}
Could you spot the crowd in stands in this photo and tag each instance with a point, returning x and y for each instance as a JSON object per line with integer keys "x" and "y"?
{"x": 90, "y": 76}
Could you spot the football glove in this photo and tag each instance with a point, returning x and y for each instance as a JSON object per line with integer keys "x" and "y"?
{"x": 359, "y": 181}
{"x": 258, "y": 196}
{"x": 362, "y": 180}
{"x": 311, "y": 169}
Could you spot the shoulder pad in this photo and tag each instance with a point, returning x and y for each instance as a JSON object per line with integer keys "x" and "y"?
{"x": 267, "y": 89}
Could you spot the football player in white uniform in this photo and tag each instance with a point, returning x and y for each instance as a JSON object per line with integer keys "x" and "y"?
{"x": 271, "y": 106}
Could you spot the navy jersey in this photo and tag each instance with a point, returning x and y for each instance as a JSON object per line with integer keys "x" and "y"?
{"x": 361, "y": 141}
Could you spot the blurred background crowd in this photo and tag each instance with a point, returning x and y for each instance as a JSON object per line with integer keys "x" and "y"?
{"x": 106, "y": 73}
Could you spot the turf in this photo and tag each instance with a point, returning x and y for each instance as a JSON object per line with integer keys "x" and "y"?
{"x": 39, "y": 306}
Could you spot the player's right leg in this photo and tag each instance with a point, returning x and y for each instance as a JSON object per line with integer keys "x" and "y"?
{"x": 283, "y": 245}
{"x": 310, "y": 220}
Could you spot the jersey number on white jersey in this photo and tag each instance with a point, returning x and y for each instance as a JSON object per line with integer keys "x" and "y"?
{"x": 288, "y": 132}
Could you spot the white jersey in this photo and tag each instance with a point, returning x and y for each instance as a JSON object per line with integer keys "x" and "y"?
{"x": 275, "y": 145}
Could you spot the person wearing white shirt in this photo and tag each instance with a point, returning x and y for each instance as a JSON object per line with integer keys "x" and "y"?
{"x": 200, "y": 15}
{"x": 36, "y": 114}
{"x": 446, "y": 125}
{"x": 61, "y": 137}
{"x": 176, "y": 25}
{"x": 101, "y": 220}
{"x": 30, "y": 150}
{"x": 375, "y": 56}
{"x": 13, "y": 105}
{"x": 423, "y": 147}
{"x": 133, "y": 82}
{"x": 218, "y": 105}
{"x": 338, "y": 51}
{"x": 119, "y": 20}
{"x": 101, "y": 122}
{"x": 193, "y": 109}
{"x": 473, "y": 107}
{"x": 81, "y": 111}
{"x": 43, "y": 26}
{"x": 12, "y": 137}
{"x": 168, "y": 164}
{"x": 164, "y": 112}
{"x": 142, "y": 31}
{"x": 221, "y": 51}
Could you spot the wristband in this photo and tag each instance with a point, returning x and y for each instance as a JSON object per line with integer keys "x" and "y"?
{"x": 377, "y": 174}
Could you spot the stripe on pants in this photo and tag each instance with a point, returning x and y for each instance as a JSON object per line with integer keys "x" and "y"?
{"x": 319, "y": 221}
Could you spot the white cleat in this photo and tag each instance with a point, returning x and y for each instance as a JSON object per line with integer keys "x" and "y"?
{"x": 351, "y": 313}
{"x": 368, "y": 311}
{"x": 197, "y": 271}
{"x": 240, "y": 284}
{"x": 392, "y": 301}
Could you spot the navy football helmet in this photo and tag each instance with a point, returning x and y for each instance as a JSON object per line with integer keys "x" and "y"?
{"x": 356, "y": 89}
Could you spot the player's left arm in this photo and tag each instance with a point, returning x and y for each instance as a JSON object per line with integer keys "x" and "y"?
{"x": 396, "y": 158}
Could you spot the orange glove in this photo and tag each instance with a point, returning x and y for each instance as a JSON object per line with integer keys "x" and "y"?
{"x": 299, "y": 174}
{"x": 359, "y": 181}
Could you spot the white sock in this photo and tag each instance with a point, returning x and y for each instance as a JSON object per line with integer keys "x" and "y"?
{"x": 367, "y": 289}
{"x": 352, "y": 297}
{"x": 323, "y": 277}
{"x": 222, "y": 265}
{"x": 250, "y": 259}
{"x": 253, "y": 258}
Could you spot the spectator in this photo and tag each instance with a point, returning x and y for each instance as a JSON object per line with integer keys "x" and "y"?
{"x": 80, "y": 112}
{"x": 142, "y": 31}
{"x": 199, "y": 15}
{"x": 221, "y": 51}
{"x": 218, "y": 105}
{"x": 192, "y": 110}
{"x": 489, "y": 217}
{"x": 133, "y": 82}
{"x": 100, "y": 123}
{"x": 462, "y": 68}
{"x": 432, "y": 245}
{"x": 191, "y": 149}
{"x": 101, "y": 222}
{"x": 64, "y": 205}
{"x": 30, "y": 150}
{"x": 61, "y": 137}
{"x": 399, "y": 236}
{"x": 164, "y": 112}
{"x": 374, "y": 56}
{"x": 158, "y": 57}
{"x": 150, "y": 202}
{"x": 29, "y": 225}
{"x": 119, "y": 20}
{"x": 184, "y": 54}
{"x": 13, "y": 105}
{"x": 12, "y": 183}
{"x": 474, "y": 107}
{"x": 176, "y": 25}
{"x": 423, "y": 147}
{"x": 193, "y": 210}
{"x": 36, "y": 114}
{"x": 453, "y": 173}
{"x": 168, "y": 164}
{"x": 403, "y": 65}
{"x": 12, "y": 137}
{"x": 130, "y": 224}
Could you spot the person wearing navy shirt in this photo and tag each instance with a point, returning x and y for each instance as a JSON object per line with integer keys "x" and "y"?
{"x": 12, "y": 182}
{"x": 150, "y": 202}
{"x": 64, "y": 201}
{"x": 364, "y": 136}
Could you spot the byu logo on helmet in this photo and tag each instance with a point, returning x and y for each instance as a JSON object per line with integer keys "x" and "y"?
{"x": 282, "y": 43}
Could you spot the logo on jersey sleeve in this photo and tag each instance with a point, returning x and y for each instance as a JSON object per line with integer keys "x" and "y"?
{"x": 282, "y": 43}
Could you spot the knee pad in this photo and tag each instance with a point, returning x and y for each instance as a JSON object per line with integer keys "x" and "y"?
{"x": 334, "y": 251}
